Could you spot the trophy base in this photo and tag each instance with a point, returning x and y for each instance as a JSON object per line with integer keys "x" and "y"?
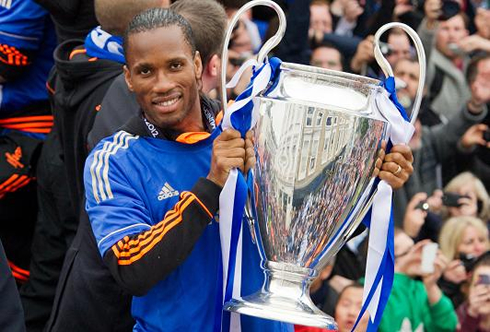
{"x": 285, "y": 309}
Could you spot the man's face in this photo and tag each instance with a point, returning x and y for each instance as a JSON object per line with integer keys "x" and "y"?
{"x": 408, "y": 72}
{"x": 320, "y": 18}
{"x": 348, "y": 307}
{"x": 482, "y": 22}
{"x": 164, "y": 74}
{"x": 400, "y": 48}
{"x": 450, "y": 32}
{"x": 326, "y": 57}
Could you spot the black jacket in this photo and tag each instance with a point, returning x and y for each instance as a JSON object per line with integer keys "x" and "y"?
{"x": 79, "y": 86}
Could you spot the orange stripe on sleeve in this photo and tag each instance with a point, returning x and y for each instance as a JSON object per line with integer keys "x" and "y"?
{"x": 29, "y": 125}
{"x": 167, "y": 218}
{"x": 129, "y": 250}
{"x": 9, "y": 181}
{"x": 27, "y": 119}
{"x": 127, "y": 253}
{"x": 201, "y": 203}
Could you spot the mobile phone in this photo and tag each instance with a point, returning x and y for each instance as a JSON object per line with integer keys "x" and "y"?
{"x": 452, "y": 199}
{"x": 483, "y": 279}
{"x": 429, "y": 252}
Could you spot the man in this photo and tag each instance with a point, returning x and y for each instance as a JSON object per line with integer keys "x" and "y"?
{"x": 434, "y": 148}
{"x": 84, "y": 274}
{"x": 119, "y": 104}
{"x": 164, "y": 71}
{"x": 152, "y": 195}
{"x": 446, "y": 65}
{"x": 327, "y": 56}
{"x": 398, "y": 47}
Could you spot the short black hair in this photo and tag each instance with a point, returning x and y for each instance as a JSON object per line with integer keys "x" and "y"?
{"x": 155, "y": 18}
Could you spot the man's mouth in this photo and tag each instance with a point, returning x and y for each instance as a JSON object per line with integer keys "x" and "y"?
{"x": 168, "y": 102}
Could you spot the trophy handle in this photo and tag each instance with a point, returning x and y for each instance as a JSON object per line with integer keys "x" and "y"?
{"x": 388, "y": 71}
{"x": 266, "y": 48}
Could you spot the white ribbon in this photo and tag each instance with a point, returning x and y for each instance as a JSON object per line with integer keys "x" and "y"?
{"x": 399, "y": 131}
{"x": 227, "y": 195}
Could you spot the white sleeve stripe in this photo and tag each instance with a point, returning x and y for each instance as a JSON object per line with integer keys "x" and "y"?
{"x": 94, "y": 165}
{"x": 100, "y": 182}
{"x": 121, "y": 230}
{"x": 100, "y": 162}
{"x": 105, "y": 174}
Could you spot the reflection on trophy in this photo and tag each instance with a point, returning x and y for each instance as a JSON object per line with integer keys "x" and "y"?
{"x": 317, "y": 139}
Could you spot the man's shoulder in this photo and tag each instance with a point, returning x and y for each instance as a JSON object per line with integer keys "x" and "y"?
{"x": 117, "y": 145}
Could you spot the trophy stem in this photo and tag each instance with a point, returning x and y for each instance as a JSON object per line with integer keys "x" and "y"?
{"x": 284, "y": 297}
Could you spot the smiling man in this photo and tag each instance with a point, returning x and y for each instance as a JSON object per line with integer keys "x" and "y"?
{"x": 153, "y": 187}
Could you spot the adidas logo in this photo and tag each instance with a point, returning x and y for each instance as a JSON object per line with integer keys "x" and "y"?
{"x": 167, "y": 192}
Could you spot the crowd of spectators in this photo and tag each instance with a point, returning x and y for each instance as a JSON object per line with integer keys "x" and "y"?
{"x": 53, "y": 109}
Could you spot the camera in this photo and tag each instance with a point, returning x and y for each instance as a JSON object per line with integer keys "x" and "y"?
{"x": 423, "y": 205}
{"x": 483, "y": 279}
{"x": 452, "y": 199}
{"x": 468, "y": 261}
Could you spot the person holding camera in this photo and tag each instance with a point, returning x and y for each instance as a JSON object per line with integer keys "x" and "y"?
{"x": 417, "y": 305}
{"x": 474, "y": 313}
{"x": 462, "y": 240}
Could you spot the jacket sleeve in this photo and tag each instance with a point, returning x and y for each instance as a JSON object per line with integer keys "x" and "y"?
{"x": 444, "y": 137}
{"x": 140, "y": 261}
{"x": 443, "y": 317}
{"x": 22, "y": 28}
{"x": 138, "y": 251}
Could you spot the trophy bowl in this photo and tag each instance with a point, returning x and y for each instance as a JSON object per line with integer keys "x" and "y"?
{"x": 317, "y": 139}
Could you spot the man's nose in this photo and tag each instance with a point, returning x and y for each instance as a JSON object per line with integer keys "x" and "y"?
{"x": 163, "y": 83}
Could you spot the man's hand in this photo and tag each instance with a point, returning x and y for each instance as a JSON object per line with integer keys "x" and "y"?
{"x": 364, "y": 54}
{"x": 414, "y": 217}
{"x": 397, "y": 166}
{"x": 230, "y": 151}
{"x": 479, "y": 300}
{"x": 474, "y": 136}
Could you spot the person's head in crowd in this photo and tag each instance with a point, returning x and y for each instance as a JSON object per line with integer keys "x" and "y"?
{"x": 208, "y": 35}
{"x": 320, "y": 17}
{"x": 408, "y": 71}
{"x": 399, "y": 46}
{"x": 164, "y": 69}
{"x": 403, "y": 242}
{"x": 478, "y": 300}
{"x": 327, "y": 56}
{"x": 115, "y": 15}
{"x": 449, "y": 32}
{"x": 482, "y": 22}
{"x": 463, "y": 236}
{"x": 348, "y": 306}
{"x": 480, "y": 64}
{"x": 474, "y": 200}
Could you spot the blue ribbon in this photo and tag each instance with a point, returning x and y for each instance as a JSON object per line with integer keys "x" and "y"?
{"x": 241, "y": 120}
{"x": 387, "y": 266}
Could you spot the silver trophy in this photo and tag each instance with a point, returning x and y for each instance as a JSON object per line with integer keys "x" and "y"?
{"x": 317, "y": 139}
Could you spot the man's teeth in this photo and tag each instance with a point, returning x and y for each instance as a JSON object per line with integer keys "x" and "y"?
{"x": 168, "y": 102}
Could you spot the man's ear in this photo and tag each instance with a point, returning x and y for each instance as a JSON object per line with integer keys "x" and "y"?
{"x": 198, "y": 65}
{"x": 127, "y": 78}
{"x": 213, "y": 66}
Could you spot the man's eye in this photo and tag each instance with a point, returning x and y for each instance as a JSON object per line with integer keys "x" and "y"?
{"x": 145, "y": 71}
{"x": 176, "y": 65}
